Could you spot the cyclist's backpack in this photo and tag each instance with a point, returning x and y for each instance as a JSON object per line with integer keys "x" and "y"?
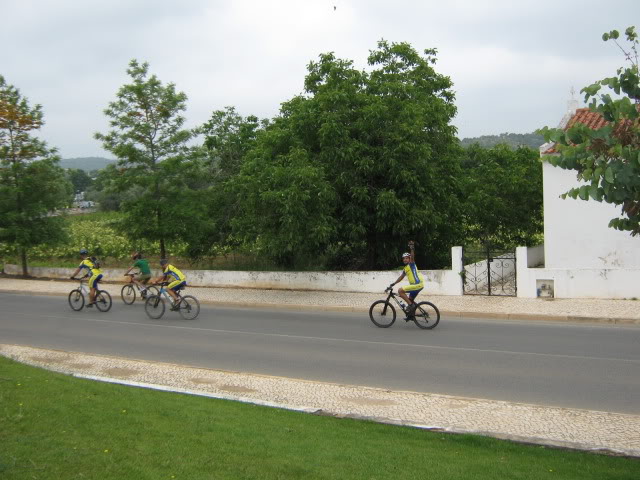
{"x": 95, "y": 261}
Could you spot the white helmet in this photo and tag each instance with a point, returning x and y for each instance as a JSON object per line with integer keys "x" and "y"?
{"x": 406, "y": 255}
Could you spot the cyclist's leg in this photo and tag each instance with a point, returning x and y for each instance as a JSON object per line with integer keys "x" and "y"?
{"x": 173, "y": 288}
{"x": 403, "y": 294}
{"x": 93, "y": 287}
{"x": 412, "y": 293}
{"x": 142, "y": 282}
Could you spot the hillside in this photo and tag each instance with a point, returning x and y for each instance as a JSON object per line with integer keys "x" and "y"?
{"x": 532, "y": 140}
{"x": 86, "y": 163}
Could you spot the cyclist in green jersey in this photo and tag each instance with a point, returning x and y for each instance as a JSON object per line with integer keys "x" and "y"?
{"x": 145, "y": 272}
{"x": 416, "y": 280}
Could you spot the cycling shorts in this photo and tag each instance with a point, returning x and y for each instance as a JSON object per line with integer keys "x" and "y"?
{"x": 94, "y": 280}
{"x": 413, "y": 290}
{"x": 177, "y": 285}
{"x": 144, "y": 279}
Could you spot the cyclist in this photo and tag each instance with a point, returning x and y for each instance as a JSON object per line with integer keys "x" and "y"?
{"x": 416, "y": 280}
{"x": 145, "y": 272}
{"x": 176, "y": 278}
{"x": 92, "y": 267}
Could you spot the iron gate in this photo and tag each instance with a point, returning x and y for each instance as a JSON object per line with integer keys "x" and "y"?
{"x": 489, "y": 272}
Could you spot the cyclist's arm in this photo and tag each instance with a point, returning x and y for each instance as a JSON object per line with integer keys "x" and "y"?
{"x": 400, "y": 278}
{"x": 130, "y": 268}
{"x": 76, "y": 272}
{"x": 412, "y": 250}
{"x": 161, "y": 278}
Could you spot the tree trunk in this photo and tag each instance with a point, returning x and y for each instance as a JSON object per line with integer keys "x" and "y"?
{"x": 162, "y": 249}
{"x": 23, "y": 257}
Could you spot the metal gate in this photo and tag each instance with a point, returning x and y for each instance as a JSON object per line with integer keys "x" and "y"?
{"x": 489, "y": 272}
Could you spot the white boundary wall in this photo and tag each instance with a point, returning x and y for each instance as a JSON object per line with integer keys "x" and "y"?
{"x": 567, "y": 283}
{"x": 438, "y": 282}
{"x": 577, "y": 282}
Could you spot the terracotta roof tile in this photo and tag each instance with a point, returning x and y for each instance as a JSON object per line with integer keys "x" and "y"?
{"x": 593, "y": 120}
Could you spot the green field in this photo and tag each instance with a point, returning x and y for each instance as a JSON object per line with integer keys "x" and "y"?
{"x": 54, "y": 426}
{"x": 100, "y": 234}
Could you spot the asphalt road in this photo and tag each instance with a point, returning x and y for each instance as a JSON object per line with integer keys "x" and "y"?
{"x": 579, "y": 366}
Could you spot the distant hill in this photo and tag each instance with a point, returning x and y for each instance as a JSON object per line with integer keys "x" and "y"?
{"x": 515, "y": 140}
{"x": 86, "y": 163}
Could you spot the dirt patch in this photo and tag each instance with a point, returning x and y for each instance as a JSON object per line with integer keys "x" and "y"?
{"x": 80, "y": 366}
{"x": 49, "y": 360}
{"x": 120, "y": 372}
{"x": 202, "y": 381}
{"x": 236, "y": 389}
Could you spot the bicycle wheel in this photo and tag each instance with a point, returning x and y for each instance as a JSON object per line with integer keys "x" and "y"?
{"x": 426, "y": 315}
{"x": 382, "y": 314}
{"x": 154, "y": 306}
{"x": 103, "y": 301}
{"x": 128, "y": 294}
{"x": 189, "y": 307}
{"x": 76, "y": 300}
{"x": 150, "y": 291}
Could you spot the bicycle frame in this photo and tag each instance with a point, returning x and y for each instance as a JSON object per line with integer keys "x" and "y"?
{"x": 84, "y": 288}
{"x": 395, "y": 296}
{"x": 165, "y": 292}
{"x": 135, "y": 284}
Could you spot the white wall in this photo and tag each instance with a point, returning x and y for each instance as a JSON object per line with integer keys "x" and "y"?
{"x": 578, "y": 282}
{"x": 438, "y": 282}
{"x": 576, "y": 232}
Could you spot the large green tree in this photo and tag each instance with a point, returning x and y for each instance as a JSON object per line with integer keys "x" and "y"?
{"x": 153, "y": 166}
{"x": 32, "y": 185}
{"x": 502, "y": 191}
{"x": 80, "y": 179}
{"x": 607, "y": 160}
{"x": 228, "y": 137}
{"x": 358, "y": 164}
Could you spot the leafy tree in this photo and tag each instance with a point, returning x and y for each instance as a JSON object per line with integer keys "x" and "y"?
{"x": 228, "y": 137}
{"x": 503, "y": 195}
{"x": 514, "y": 140}
{"x": 608, "y": 159}
{"x": 361, "y": 162}
{"x": 80, "y": 180}
{"x": 104, "y": 189}
{"x": 148, "y": 139}
{"x": 32, "y": 185}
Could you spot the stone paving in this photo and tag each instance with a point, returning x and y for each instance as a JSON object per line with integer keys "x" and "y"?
{"x": 563, "y": 427}
{"x": 573, "y": 428}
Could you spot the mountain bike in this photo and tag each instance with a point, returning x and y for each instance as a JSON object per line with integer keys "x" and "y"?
{"x": 76, "y": 297}
{"x": 187, "y": 305}
{"x": 128, "y": 292}
{"x": 383, "y": 313}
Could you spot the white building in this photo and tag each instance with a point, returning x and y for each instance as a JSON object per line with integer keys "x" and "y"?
{"x": 583, "y": 257}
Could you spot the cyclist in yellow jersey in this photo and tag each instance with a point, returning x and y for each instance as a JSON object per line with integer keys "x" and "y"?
{"x": 88, "y": 265}
{"x": 173, "y": 275}
{"x": 416, "y": 280}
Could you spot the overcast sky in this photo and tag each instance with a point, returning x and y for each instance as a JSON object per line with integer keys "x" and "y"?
{"x": 512, "y": 62}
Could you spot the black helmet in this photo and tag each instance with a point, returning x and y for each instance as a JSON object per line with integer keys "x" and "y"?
{"x": 163, "y": 261}
{"x": 136, "y": 255}
{"x": 84, "y": 251}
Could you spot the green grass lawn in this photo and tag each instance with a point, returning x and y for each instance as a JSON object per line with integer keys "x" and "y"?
{"x": 54, "y": 426}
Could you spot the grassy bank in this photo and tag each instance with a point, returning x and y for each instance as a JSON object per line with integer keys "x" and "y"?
{"x": 54, "y": 426}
